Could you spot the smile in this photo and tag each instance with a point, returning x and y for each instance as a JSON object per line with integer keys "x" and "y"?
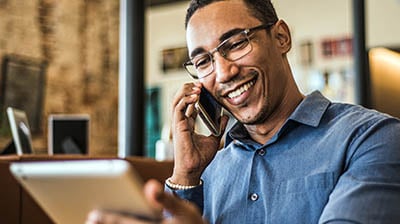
{"x": 243, "y": 88}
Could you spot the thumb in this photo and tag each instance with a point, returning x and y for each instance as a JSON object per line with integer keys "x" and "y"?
{"x": 176, "y": 206}
{"x": 181, "y": 211}
{"x": 154, "y": 192}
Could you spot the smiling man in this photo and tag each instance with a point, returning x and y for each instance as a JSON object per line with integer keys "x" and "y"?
{"x": 255, "y": 84}
{"x": 289, "y": 158}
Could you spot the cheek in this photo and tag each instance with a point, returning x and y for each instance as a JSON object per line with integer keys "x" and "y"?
{"x": 208, "y": 82}
{"x": 270, "y": 64}
{"x": 260, "y": 58}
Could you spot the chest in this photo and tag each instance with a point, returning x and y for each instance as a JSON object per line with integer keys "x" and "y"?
{"x": 284, "y": 182}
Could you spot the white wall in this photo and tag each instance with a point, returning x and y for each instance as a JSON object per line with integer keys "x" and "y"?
{"x": 309, "y": 20}
{"x": 383, "y": 18}
{"x": 164, "y": 29}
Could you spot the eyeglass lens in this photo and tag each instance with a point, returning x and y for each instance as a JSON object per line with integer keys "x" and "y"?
{"x": 231, "y": 49}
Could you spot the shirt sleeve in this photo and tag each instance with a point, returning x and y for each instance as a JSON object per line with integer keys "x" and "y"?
{"x": 368, "y": 191}
{"x": 194, "y": 195}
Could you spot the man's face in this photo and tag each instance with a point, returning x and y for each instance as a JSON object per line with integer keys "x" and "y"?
{"x": 243, "y": 86}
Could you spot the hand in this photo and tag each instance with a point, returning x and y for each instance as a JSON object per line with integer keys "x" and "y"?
{"x": 193, "y": 152}
{"x": 182, "y": 212}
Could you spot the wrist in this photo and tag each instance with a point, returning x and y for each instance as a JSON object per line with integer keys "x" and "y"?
{"x": 177, "y": 186}
{"x": 185, "y": 179}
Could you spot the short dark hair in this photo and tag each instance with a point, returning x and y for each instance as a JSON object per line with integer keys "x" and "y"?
{"x": 263, "y": 10}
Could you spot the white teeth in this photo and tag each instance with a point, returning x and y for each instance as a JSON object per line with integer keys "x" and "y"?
{"x": 241, "y": 90}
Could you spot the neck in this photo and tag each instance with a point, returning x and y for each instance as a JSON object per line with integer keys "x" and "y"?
{"x": 264, "y": 131}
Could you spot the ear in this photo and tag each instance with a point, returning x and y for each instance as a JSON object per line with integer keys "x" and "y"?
{"x": 282, "y": 35}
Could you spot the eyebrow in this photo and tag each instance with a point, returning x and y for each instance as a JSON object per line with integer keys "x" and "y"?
{"x": 197, "y": 51}
{"x": 230, "y": 33}
{"x": 223, "y": 37}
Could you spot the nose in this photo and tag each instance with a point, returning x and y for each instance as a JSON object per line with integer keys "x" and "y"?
{"x": 225, "y": 69}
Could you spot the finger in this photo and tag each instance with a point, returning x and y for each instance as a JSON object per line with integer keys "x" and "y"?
{"x": 155, "y": 194}
{"x": 186, "y": 90}
{"x": 191, "y": 111}
{"x": 218, "y": 139}
{"x": 181, "y": 211}
{"x": 181, "y": 108}
{"x": 152, "y": 190}
{"x": 93, "y": 217}
{"x": 104, "y": 217}
{"x": 175, "y": 205}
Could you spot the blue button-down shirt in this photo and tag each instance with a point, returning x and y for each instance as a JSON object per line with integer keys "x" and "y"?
{"x": 329, "y": 163}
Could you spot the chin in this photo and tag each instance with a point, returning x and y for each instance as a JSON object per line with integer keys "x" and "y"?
{"x": 249, "y": 118}
{"x": 253, "y": 117}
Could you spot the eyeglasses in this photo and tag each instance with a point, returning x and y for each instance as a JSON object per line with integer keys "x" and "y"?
{"x": 232, "y": 49}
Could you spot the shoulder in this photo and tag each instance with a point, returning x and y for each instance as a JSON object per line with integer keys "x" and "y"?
{"x": 370, "y": 134}
{"x": 358, "y": 117}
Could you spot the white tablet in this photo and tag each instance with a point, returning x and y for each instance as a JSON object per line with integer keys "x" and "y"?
{"x": 20, "y": 130}
{"x": 68, "y": 190}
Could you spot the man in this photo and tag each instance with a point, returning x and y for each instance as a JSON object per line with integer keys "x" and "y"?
{"x": 290, "y": 158}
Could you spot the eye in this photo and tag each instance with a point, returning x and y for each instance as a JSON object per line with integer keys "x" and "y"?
{"x": 237, "y": 45}
{"x": 202, "y": 61}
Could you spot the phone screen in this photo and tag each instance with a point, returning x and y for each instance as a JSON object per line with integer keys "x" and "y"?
{"x": 210, "y": 112}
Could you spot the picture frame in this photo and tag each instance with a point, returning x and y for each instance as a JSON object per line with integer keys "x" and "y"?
{"x": 20, "y": 131}
{"x": 173, "y": 59}
{"x": 337, "y": 47}
{"x": 22, "y": 86}
{"x": 306, "y": 53}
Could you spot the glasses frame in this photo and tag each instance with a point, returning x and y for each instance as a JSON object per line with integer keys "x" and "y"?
{"x": 247, "y": 32}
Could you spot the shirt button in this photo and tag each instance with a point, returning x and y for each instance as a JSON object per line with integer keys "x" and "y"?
{"x": 261, "y": 152}
{"x": 254, "y": 197}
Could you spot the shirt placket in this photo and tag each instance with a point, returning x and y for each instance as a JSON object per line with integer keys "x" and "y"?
{"x": 255, "y": 206}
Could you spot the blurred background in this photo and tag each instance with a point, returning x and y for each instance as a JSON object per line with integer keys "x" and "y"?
{"x": 62, "y": 57}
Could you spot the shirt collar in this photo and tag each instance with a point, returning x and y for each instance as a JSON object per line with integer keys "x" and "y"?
{"x": 309, "y": 112}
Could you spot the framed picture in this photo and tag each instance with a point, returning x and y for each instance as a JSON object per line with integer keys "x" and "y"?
{"x": 20, "y": 130}
{"x": 344, "y": 46}
{"x": 335, "y": 47}
{"x": 327, "y": 48}
{"x": 306, "y": 53}
{"x": 173, "y": 58}
{"x": 22, "y": 84}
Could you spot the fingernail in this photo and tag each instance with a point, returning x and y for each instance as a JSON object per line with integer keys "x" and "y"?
{"x": 95, "y": 216}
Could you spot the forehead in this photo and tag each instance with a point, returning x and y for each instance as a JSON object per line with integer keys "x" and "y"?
{"x": 208, "y": 23}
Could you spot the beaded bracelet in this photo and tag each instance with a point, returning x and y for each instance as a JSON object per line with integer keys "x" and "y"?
{"x": 179, "y": 186}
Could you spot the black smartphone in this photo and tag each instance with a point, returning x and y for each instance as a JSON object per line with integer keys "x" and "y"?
{"x": 210, "y": 112}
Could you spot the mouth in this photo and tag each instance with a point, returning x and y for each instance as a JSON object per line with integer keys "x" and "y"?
{"x": 241, "y": 89}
